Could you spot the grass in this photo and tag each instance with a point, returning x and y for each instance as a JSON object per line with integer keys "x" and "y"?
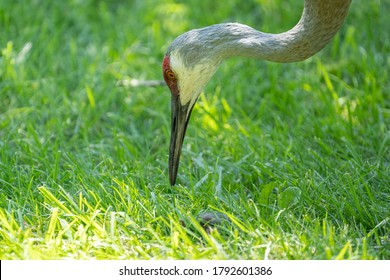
{"x": 296, "y": 155}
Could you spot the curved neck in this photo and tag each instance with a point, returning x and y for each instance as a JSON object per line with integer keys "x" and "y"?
{"x": 320, "y": 21}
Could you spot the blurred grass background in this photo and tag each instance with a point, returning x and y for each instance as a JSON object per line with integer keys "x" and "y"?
{"x": 297, "y": 155}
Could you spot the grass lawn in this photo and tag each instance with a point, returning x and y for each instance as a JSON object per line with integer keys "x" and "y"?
{"x": 296, "y": 155}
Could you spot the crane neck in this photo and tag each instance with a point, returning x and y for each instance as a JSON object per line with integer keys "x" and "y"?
{"x": 320, "y": 21}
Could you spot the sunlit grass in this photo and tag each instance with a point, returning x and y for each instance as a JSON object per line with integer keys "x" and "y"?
{"x": 296, "y": 155}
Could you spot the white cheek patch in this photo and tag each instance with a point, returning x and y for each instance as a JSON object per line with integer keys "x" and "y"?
{"x": 191, "y": 81}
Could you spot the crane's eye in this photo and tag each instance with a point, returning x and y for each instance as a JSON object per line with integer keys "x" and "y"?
{"x": 170, "y": 75}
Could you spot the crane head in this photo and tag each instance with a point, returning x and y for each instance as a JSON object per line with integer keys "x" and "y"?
{"x": 186, "y": 74}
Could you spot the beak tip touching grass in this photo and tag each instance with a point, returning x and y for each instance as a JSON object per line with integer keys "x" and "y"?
{"x": 173, "y": 167}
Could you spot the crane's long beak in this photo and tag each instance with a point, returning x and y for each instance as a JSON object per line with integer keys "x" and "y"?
{"x": 179, "y": 121}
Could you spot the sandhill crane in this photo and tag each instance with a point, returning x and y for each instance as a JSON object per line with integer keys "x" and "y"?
{"x": 193, "y": 57}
